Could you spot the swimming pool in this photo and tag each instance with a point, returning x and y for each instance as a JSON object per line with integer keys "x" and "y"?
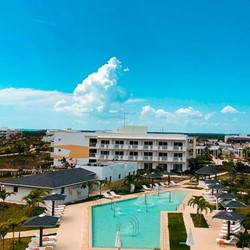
{"x": 138, "y": 220}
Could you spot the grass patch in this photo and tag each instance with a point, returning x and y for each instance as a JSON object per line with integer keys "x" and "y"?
{"x": 18, "y": 246}
{"x": 202, "y": 223}
{"x": 176, "y": 224}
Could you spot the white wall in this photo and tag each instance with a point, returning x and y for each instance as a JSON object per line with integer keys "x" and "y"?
{"x": 113, "y": 170}
{"x": 73, "y": 193}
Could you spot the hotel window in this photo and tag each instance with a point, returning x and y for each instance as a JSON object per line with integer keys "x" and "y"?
{"x": 119, "y": 142}
{"x": 148, "y": 166}
{"x": 119, "y": 153}
{"x": 133, "y": 153}
{"x": 104, "y": 152}
{"x": 106, "y": 142}
{"x": 133, "y": 142}
{"x": 163, "y": 143}
{"x": 119, "y": 176}
{"x": 62, "y": 190}
{"x": 148, "y": 143}
{"x": 15, "y": 189}
{"x": 178, "y": 144}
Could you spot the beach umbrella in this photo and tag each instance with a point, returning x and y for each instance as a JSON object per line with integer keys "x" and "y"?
{"x": 190, "y": 240}
{"x": 225, "y": 196}
{"x": 233, "y": 204}
{"x": 208, "y": 170}
{"x": 211, "y": 181}
{"x": 153, "y": 176}
{"x": 41, "y": 221}
{"x": 217, "y": 186}
{"x": 167, "y": 173}
{"x": 54, "y": 197}
{"x": 118, "y": 241}
{"x": 228, "y": 216}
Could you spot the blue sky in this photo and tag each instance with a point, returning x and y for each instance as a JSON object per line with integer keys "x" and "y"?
{"x": 173, "y": 66}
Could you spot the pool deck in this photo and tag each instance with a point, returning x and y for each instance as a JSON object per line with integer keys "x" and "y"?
{"x": 75, "y": 226}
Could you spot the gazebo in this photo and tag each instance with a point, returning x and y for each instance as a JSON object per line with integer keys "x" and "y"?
{"x": 208, "y": 170}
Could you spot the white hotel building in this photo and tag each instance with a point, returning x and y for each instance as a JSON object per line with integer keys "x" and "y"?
{"x": 130, "y": 143}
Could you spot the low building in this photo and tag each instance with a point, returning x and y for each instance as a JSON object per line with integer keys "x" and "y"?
{"x": 111, "y": 171}
{"x": 71, "y": 182}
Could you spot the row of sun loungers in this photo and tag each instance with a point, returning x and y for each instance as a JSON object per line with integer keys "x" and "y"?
{"x": 159, "y": 185}
{"x": 48, "y": 242}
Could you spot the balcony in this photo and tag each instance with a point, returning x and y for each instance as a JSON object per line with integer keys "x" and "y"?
{"x": 147, "y": 147}
{"x": 147, "y": 157}
{"x": 92, "y": 155}
{"x": 133, "y": 146}
{"x": 93, "y": 145}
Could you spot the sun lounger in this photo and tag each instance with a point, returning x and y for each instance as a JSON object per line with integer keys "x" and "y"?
{"x": 146, "y": 188}
{"x": 225, "y": 241}
{"x": 108, "y": 196}
{"x": 114, "y": 194}
{"x": 172, "y": 183}
{"x": 46, "y": 237}
{"x": 162, "y": 184}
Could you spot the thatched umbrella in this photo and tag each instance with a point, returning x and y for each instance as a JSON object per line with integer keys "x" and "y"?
{"x": 233, "y": 204}
{"x": 208, "y": 170}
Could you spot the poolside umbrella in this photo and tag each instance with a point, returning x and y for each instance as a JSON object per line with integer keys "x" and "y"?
{"x": 167, "y": 173}
{"x": 41, "y": 221}
{"x": 211, "y": 181}
{"x": 118, "y": 241}
{"x": 229, "y": 216}
{"x": 217, "y": 187}
{"x": 153, "y": 176}
{"x": 233, "y": 204}
{"x": 190, "y": 240}
{"x": 208, "y": 170}
{"x": 225, "y": 196}
{"x": 54, "y": 197}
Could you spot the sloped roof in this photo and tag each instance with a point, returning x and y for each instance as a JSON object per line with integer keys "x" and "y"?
{"x": 207, "y": 170}
{"x": 53, "y": 179}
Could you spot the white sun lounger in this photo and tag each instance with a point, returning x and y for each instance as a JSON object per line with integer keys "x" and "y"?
{"x": 108, "y": 196}
{"x": 114, "y": 194}
{"x": 225, "y": 241}
{"x": 146, "y": 188}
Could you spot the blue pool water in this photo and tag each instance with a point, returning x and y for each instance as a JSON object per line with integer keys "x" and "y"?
{"x": 137, "y": 219}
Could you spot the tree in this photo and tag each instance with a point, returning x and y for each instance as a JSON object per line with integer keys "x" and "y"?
{"x": 91, "y": 185}
{"x": 243, "y": 239}
{"x": 20, "y": 223}
{"x": 102, "y": 183}
{"x": 13, "y": 223}
{"x": 4, "y": 194}
{"x": 3, "y": 230}
{"x": 202, "y": 205}
{"x": 34, "y": 198}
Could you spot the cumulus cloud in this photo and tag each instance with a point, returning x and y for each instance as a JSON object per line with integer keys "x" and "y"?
{"x": 188, "y": 112}
{"x": 148, "y": 110}
{"x": 229, "y": 110}
{"x": 98, "y": 93}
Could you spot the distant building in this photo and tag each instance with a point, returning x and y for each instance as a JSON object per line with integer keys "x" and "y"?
{"x": 6, "y": 132}
{"x": 130, "y": 144}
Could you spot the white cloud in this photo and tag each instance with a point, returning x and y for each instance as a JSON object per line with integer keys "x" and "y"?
{"x": 148, "y": 110}
{"x": 98, "y": 93}
{"x": 188, "y": 112}
{"x": 229, "y": 110}
{"x": 29, "y": 98}
{"x": 208, "y": 116}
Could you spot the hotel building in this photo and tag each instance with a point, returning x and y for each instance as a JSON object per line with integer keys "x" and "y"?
{"x": 130, "y": 143}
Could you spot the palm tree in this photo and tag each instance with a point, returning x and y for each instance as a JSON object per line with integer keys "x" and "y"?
{"x": 3, "y": 231}
{"x": 34, "y": 197}
{"x": 13, "y": 223}
{"x": 4, "y": 194}
{"x": 20, "y": 223}
{"x": 202, "y": 205}
{"x": 102, "y": 183}
{"x": 244, "y": 239}
{"x": 91, "y": 185}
